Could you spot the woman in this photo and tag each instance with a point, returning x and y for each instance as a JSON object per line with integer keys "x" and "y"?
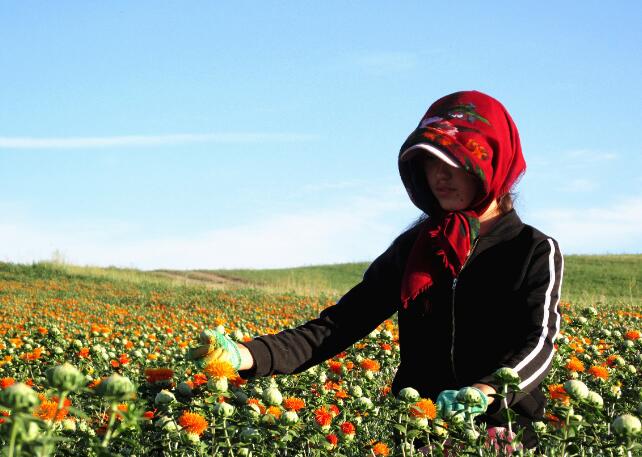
{"x": 475, "y": 289}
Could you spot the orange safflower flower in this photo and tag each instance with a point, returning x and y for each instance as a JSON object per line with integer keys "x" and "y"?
{"x": 47, "y": 409}
{"x": 158, "y": 374}
{"x": 599, "y": 372}
{"x": 385, "y": 390}
{"x": 335, "y": 366}
{"x": 370, "y": 365}
{"x": 381, "y": 449}
{"x": 193, "y": 423}
{"x": 334, "y": 410}
{"x": 293, "y": 404}
{"x": 347, "y": 428}
{"x": 632, "y": 335}
{"x": 612, "y": 360}
{"x": 323, "y": 417}
{"x": 199, "y": 379}
{"x": 6, "y": 382}
{"x": 83, "y": 353}
{"x": 385, "y": 347}
{"x": 220, "y": 369}
{"x": 341, "y": 394}
{"x": 557, "y": 392}
{"x": 274, "y": 410}
{"x": 575, "y": 364}
{"x": 332, "y": 439}
{"x": 238, "y": 381}
{"x": 424, "y": 408}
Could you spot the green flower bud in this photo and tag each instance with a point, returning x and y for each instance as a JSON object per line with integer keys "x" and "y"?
{"x": 164, "y": 397}
{"x": 576, "y": 389}
{"x": 268, "y": 419}
{"x": 420, "y": 423}
{"x": 116, "y": 388}
{"x": 218, "y": 385}
{"x": 224, "y": 409}
{"x": 193, "y": 438}
{"x": 290, "y": 418}
{"x": 440, "y": 428}
{"x": 184, "y": 389}
{"x": 69, "y": 425}
{"x": 272, "y": 396}
{"x": 408, "y": 394}
{"x": 356, "y": 391}
{"x": 65, "y": 377}
{"x": 167, "y": 424}
{"x": 594, "y": 399}
{"x": 471, "y": 434}
{"x": 469, "y": 396}
{"x": 506, "y": 375}
{"x": 19, "y": 397}
{"x": 626, "y": 425}
{"x": 364, "y": 404}
{"x": 539, "y": 427}
{"x": 254, "y": 410}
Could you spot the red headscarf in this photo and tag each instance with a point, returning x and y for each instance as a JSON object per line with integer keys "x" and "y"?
{"x": 477, "y": 133}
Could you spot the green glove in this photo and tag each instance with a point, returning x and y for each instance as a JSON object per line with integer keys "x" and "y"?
{"x": 215, "y": 345}
{"x": 470, "y": 400}
{"x": 447, "y": 404}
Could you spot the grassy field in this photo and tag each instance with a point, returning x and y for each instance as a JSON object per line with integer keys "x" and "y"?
{"x": 594, "y": 279}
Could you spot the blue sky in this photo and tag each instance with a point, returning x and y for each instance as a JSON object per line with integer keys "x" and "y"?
{"x": 246, "y": 134}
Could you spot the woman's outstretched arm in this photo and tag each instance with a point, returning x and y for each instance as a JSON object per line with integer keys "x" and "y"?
{"x": 353, "y": 317}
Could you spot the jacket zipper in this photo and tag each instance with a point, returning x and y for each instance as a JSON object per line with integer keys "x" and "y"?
{"x": 452, "y": 339}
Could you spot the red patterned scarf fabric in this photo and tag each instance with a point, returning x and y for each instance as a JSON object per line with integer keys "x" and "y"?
{"x": 477, "y": 132}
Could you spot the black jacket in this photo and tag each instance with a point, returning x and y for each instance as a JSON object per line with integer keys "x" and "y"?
{"x": 503, "y": 313}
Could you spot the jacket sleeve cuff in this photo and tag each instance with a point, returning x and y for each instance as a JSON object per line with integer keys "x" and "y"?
{"x": 262, "y": 359}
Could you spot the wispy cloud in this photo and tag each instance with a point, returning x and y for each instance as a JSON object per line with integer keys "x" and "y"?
{"x": 359, "y": 229}
{"x": 151, "y": 140}
{"x": 613, "y": 228}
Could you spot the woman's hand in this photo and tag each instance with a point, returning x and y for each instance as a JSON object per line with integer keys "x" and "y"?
{"x": 470, "y": 399}
{"x": 216, "y": 346}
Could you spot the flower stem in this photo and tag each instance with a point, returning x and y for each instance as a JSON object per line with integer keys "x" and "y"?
{"x": 14, "y": 433}
{"x": 110, "y": 424}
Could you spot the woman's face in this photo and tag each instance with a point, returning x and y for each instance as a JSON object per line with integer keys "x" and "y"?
{"x": 454, "y": 188}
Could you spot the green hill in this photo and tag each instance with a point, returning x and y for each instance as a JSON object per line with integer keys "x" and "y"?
{"x": 594, "y": 279}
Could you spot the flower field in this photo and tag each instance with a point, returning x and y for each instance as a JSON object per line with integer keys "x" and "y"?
{"x": 95, "y": 366}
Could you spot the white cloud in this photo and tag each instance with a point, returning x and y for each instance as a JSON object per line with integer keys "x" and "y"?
{"x": 358, "y": 230}
{"x": 151, "y": 140}
{"x": 614, "y": 228}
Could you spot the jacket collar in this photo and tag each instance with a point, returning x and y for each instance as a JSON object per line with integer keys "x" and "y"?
{"x": 507, "y": 227}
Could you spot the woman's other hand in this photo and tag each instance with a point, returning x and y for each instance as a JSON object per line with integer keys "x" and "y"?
{"x": 217, "y": 346}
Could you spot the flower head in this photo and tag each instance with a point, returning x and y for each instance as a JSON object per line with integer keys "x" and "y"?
{"x": 424, "y": 408}
{"x": 380, "y": 449}
{"x": 158, "y": 374}
{"x": 370, "y": 365}
{"x": 293, "y": 404}
{"x": 193, "y": 423}
{"x": 220, "y": 369}
{"x": 599, "y": 372}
